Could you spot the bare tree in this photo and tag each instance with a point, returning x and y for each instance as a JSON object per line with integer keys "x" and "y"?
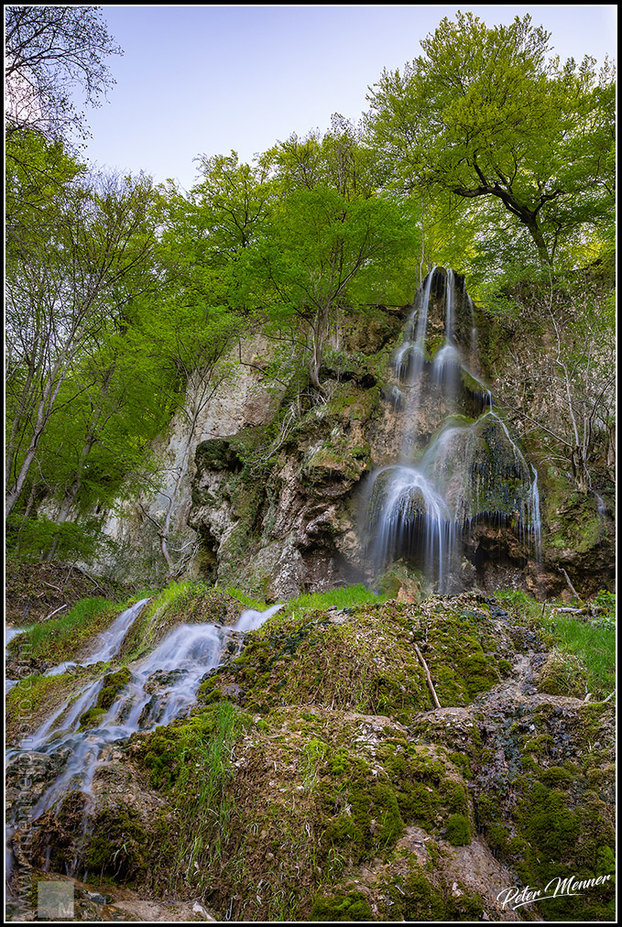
{"x": 561, "y": 381}
{"x": 50, "y": 51}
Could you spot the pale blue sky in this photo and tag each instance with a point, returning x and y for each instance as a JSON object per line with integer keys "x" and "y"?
{"x": 207, "y": 79}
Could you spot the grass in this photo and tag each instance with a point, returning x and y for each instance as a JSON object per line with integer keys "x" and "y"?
{"x": 61, "y": 638}
{"x": 246, "y": 600}
{"x": 344, "y": 597}
{"x": 191, "y": 763}
{"x": 594, "y": 646}
{"x": 64, "y": 637}
{"x": 591, "y": 642}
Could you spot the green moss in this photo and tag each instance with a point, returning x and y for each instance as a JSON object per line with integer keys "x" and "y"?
{"x": 370, "y": 819}
{"x": 113, "y": 685}
{"x": 358, "y": 661}
{"x": 557, "y": 776}
{"x": 91, "y": 718}
{"x": 422, "y": 901}
{"x": 557, "y": 840}
{"x": 34, "y": 698}
{"x": 564, "y": 674}
{"x": 462, "y": 762}
{"x": 118, "y": 849}
{"x": 412, "y": 896}
{"x": 187, "y": 602}
{"x": 539, "y": 744}
{"x": 454, "y": 795}
{"x": 458, "y": 830}
{"x": 497, "y": 836}
{"x": 352, "y": 906}
{"x": 488, "y": 808}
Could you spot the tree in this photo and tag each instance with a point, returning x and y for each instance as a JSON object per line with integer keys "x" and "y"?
{"x": 49, "y": 52}
{"x": 232, "y": 200}
{"x": 185, "y": 333}
{"x": 327, "y": 228}
{"x": 187, "y": 341}
{"x": 560, "y": 381}
{"x": 485, "y": 115}
{"x": 67, "y": 284}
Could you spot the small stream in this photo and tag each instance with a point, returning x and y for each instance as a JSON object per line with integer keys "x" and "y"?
{"x": 163, "y": 687}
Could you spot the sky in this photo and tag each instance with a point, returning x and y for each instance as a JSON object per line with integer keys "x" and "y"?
{"x": 208, "y": 79}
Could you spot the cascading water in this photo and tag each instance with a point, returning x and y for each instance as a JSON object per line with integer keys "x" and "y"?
{"x": 162, "y": 686}
{"x": 9, "y": 634}
{"x": 458, "y": 464}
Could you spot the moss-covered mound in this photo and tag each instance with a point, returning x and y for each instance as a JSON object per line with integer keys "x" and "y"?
{"x": 365, "y": 659}
{"x": 179, "y": 603}
{"x": 317, "y": 779}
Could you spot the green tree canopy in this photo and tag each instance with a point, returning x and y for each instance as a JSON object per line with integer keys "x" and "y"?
{"x": 329, "y": 229}
{"x": 485, "y": 114}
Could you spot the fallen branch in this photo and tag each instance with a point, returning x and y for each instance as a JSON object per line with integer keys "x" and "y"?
{"x": 52, "y": 586}
{"x": 428, "y": 677}
{"x": 570, "y": 586}
{"x": 88, "y": 576}
{"x": 611, "y": 694}
{"x": 51, "y": 615}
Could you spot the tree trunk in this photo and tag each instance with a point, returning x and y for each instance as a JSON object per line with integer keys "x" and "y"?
{"x": 320, "y": 331}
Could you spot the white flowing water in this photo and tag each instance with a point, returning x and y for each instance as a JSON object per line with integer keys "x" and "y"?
{"x": 163, "y": 686}
{"x": 109, "y": 641}
{"x": 409, "y": 363}
{"x": 424, "y": 505}
{"x": 9, "y": 635}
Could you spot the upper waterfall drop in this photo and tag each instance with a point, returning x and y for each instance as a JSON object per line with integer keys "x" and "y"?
{"x": 458, "y": 465}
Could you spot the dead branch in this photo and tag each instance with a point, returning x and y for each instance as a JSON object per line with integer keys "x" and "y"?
{"x": 570, "y": 586}
{"x": 427, "y": 676}
{"x": 51, "y": 615}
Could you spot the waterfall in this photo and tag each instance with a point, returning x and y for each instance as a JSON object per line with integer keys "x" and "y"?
{"x": 162, "y": 687}
{"x": 409, "y": 362}
{"x": 9, "y": 634}
{"x": 109, "y": 641}
{"x": 458, "y": 465}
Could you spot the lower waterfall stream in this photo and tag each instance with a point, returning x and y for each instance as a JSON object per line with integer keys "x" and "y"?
{"x": 162, "y": 687}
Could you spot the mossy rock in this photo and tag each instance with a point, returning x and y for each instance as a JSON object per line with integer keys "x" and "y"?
{"x": 231, "y": 451}
{"x": 563, "y": 674}
{"x": 352, "y": 907}
{"x": 35, "y": 698}
{"x": 179, "y": 603}
{"x": 91, "y": 718}
{"x": 113, "y": 685}
{"x": 118, "y": 849}
{"x": 458, "y": 830}
{"x": 362, "y": 660}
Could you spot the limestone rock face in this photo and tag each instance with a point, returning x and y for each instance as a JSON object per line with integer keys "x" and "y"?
{"x": 270, "y": 490}
{"x": 211, "y": 412}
